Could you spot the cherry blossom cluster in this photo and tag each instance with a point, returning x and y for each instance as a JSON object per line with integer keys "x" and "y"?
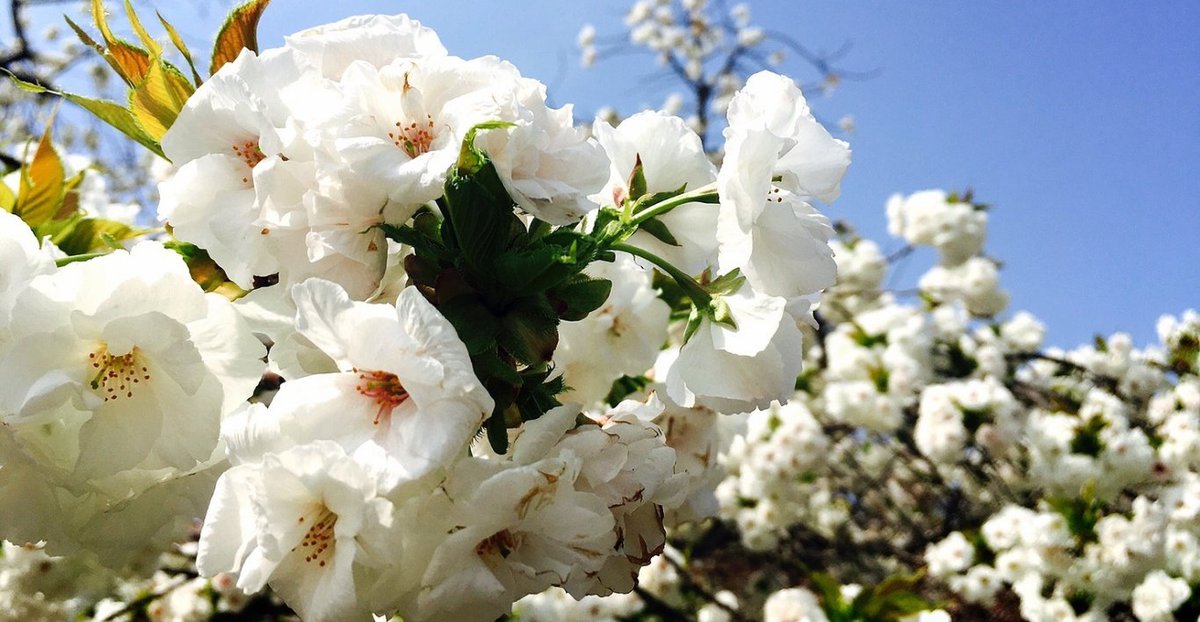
{"x": 383, "y": 348}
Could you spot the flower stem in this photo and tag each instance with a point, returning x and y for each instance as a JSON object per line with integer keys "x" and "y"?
{"x": 695, "y": 291}
{"x": 703, "y": 194}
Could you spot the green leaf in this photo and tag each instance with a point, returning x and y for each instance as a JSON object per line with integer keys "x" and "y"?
{"x": 537, "y": 396}
{"x": 69, "y": 206}
{"x": 491, "y": 369}
{"x": 157, "y": 100}
{"x": 607, "y": 224}
{"x": 625, "y": 386}
{"x": 240, "y": 32}
{"x": 578, "y": 298}
{"x": 473, "y": 322}
{"x": 497, "y": 431}
{"x": 530, "y": 330}
{"x": 532, "y": 269}
{"x": 204, "y": 271}
{"x": 111, "y": 113}
{"x": 420, "y": 241}
{"x": 479, "y": 217}
{"x": 656, "y": 228}
{"x": 40, "y": 191}
{"x": 830, "y": 591}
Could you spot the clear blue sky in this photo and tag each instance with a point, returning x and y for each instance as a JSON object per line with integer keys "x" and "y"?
{"x": 1079, "y": 121}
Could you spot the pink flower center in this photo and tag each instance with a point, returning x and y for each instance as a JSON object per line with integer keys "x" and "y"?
{"x": 414, "y": 138}
{"x": 384, "y": 389}
{"x": 251, "y": 154}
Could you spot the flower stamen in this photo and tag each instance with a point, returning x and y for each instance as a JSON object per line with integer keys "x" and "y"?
{"x": 318, "y": 541}
{"x": 414, "y": 139}
{"x": 384, "y": 388}
{"x": 116, "y": 375}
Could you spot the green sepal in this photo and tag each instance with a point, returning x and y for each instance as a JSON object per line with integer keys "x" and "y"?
{"x": 470, "y": 158}
{"x": 659, "y": 231}
{"x": 720, "y": 313}
{"x": 637, "y": 180}
{"x": 727, "y": 283}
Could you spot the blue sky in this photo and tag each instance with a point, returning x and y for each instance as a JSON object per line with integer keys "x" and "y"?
{"x": 1078, "y": 121}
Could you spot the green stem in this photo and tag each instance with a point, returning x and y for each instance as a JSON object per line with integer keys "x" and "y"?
{"x": 694, "y": 290}
{"x": 704, "y": 194}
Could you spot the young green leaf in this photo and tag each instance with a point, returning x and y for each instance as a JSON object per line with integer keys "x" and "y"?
{"x": 129, "y": 61}
{"x": 40, "y": 190}
{"x": 157, "y": 100}
{"x": 136, "y": 23}
{"x": 240, "y": 32}
{"x": 181, "y": 46}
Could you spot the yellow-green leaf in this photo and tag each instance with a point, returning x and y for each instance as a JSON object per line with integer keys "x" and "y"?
{"x": 130, "y": 61}
{"x": 111, "y": 113}
{"x": 41, "y": 187}
{"x": 156, "y": 102}
{"x": 90, "y": 42}
{"x": 70, "y": 197}
{"x": 147, "y": 40}
{"x": 118, "y": 117}
{"x": 7, "y": 198}
{"x": 90, "y": 235}
{"x": 239, "y": 32}
{"x": 181, "y": 46}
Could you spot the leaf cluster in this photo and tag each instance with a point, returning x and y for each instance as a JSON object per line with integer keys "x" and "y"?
{"x": 893, "y": 599}
{"x": 48, "y": 201}
{"x": 505, "y": 285}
